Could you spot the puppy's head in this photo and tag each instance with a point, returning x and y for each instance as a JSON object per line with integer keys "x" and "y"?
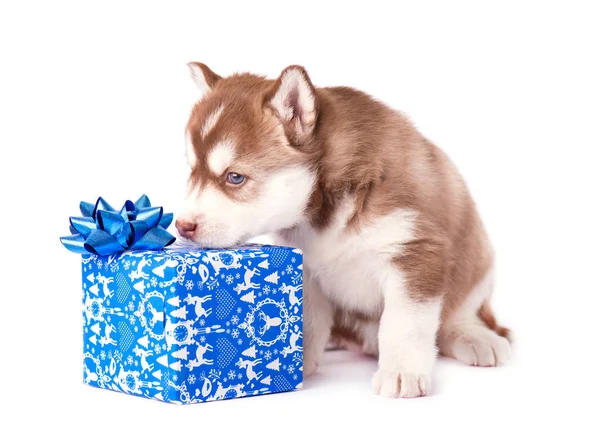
{"x": 246, "y": 144}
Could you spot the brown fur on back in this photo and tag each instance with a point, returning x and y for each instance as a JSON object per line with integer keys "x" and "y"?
{"x": 374, "y": 153}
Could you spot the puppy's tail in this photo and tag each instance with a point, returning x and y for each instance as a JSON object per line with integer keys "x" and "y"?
{"x": 486, "y": 315}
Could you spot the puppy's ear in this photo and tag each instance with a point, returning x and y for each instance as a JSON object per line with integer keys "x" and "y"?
{"x": 204, "y": 78}
{"x": 293, "y": 99}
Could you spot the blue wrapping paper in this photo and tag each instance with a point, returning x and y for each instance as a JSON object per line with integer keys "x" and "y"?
{"x": 193, "y": 325}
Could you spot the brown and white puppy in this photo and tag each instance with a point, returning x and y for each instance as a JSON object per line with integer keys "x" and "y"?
{"x": 397, "y": 262}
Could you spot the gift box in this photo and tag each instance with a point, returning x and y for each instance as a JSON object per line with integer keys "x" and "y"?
{"x": 193, "y": 325}
{"x": 184, "y": 325}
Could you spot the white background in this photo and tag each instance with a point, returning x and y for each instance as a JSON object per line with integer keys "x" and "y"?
{"x": 94, "y": 99}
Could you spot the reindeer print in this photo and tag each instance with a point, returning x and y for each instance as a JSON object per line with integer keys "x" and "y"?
{"x": 105, "y": 282}
{"x": 138, "y": 273}
{"x": 269, "y": 322}
{"x": 107, "y": 339}
{"x": 143, "y": 354}
{"x": 200, "y": 360}
{"x": 291, "y": 291}
{"x": 157, "y": 316}
{"x": 247, "y": 281}
{"x": 249, "y": 366}
{"x": 292, "y": 347}
{"x": 198, "y": 303}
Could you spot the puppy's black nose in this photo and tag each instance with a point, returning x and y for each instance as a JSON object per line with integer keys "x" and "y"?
{"x": 186, "y": 228}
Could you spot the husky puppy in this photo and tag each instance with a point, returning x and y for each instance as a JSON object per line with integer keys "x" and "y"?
{"x": 397, "y": 263}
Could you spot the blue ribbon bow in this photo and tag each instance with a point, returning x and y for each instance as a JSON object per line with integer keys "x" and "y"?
{"x": 102, "y": 230}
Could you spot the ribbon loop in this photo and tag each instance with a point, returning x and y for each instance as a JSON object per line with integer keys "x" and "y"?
{"x": 102, "y": 230}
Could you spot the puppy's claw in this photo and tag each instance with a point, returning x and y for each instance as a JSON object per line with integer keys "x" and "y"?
{"x": 400, "y": 384}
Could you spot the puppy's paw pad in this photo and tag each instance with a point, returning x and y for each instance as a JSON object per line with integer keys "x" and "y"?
{"x": 485, "y": 349}
{"x": 400, "y": 384}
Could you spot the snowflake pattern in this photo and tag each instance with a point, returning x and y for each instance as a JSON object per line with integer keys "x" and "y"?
{"x": 162, "y": 362}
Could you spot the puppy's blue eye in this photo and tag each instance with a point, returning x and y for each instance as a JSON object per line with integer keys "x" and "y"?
{"x": 235, "y": 178}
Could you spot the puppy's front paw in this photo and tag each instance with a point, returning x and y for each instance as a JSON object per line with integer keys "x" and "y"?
{"x": 404, "y": 384}
{"x": 309, "y": 368}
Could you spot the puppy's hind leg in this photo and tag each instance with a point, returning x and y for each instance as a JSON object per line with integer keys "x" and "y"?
{"x": 471, "y": 334}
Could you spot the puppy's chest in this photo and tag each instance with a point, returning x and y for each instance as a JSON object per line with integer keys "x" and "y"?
{"x": 351, "y": 266}
{"x": 347, "y": 271}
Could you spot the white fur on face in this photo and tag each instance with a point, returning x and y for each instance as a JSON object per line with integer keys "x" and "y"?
{"x": 225, "y": 222}
{"x": 221, "y": 157}
{"x": 291, "y": 82}
{"x": 190, "y": 153}
{"x": 211, "y": 121}
{"x": 199, "y": 80}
